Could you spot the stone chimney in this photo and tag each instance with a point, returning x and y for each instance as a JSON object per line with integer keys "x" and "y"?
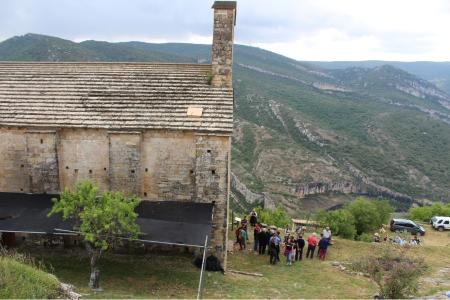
{"x": 222, "y": 47}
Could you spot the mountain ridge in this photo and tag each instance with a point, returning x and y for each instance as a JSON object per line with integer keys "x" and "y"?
{"x": 303, "y": 131}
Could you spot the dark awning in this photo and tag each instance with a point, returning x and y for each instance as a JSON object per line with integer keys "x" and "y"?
{"x": 164, "y": 222}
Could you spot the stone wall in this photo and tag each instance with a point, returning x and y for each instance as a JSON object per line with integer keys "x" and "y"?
{"x": 168, "y": 163}
{"x": 154, "y": 165}
{"x": 222, "y": 47}
{"x": 14, "y": 175}
{"x": 83, "y": 154}
{"x": 42, "y": 161}
{"x": 125, "y": 162}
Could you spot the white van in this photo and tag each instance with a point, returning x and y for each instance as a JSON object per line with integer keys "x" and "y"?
{"x": 441, "y": 223}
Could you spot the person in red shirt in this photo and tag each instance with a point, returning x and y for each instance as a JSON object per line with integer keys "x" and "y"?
{"x": 312, "y": 243}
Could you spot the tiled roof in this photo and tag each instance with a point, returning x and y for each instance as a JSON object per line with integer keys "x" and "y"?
{"x": 113, "y": 96}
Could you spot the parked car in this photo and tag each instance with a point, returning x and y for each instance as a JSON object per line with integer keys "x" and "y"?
{"x": 441, "y": 223}
{"x": 406, "y": 225}
{"x": 433, "y": 219}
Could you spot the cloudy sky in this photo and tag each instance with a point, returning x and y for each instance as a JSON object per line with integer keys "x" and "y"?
{"x": 405, "y": 30}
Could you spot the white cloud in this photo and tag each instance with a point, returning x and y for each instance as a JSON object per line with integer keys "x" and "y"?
{"x": 302, "y": 29}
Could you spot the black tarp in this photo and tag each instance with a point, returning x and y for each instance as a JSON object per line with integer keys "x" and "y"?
{"x": 165, "y": 222}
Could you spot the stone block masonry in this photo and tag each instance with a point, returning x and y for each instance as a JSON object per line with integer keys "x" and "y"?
{"x": 151, "y": 164}
{"x": 222, "y": 47}
{"x": 157, "y": 131}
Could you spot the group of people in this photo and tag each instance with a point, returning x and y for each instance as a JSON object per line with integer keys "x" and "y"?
{"x": 269, "y": 238}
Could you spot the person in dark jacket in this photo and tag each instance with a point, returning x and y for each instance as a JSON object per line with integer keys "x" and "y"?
{"x": 253, "y": 218}
{"x": 256, "y": 233}
{"x": 323, "y": 246}
{"x": 263, "y": 240}
{"x": 300, "y": 245}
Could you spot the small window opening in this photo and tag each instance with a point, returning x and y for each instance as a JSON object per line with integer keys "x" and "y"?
{"x": 146, "y": 169}
{"x": 67, "y": 167}
{"x": 104, "y": 169}
{"x": 145, "y": 194}
{"x": 90, "y": 171}
{"x": 22, "y": 166}
{"x": 191, "y": 171}
{"x": 132, "y": 171}
{"x": 213, "y": 172}
{"x": 76, "y": 170}
{"x": 209, "y": 150}
{"x": 42, "y": 141}
{"x": 21, "y": 190}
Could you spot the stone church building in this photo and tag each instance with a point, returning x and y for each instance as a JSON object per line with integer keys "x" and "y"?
{"x": 156, "y": 130}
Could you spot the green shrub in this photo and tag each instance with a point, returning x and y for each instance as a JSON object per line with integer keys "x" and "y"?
{"x": 369, "y": 215}
{"x": 357, "y": 220}
{"x": 365, "y": 237}
{"x": 425, "y": 213}
{"x": 395, "y": 272}
{"x": 277, "y": 217}
{"x": 341, "y": 222}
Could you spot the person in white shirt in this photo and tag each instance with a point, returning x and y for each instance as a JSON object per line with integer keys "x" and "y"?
{"x": 327, "y": 233}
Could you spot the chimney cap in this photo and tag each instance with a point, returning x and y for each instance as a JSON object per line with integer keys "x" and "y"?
{"x": 224, "y": 4}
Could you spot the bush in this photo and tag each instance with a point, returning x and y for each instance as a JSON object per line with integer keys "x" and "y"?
{"x": 395, "y": 273}
{"x": 425, "y": 213}
{"x": 21, "y": 278}
{"x": 277, "y": 217}
{"x": 369, "y": 215}
{"x": 359, "y": 217}
{"x": 341, "y": 222}
{"x": 365, "y": 237}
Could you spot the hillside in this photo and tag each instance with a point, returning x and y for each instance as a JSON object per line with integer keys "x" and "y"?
{"x": 306, "y": 136}
{"x": 436, "y": 72}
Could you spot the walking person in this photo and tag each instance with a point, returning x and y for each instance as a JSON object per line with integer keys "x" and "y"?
{"x": 244, "y": 223}
{"x": 323, "y": 245}
{"x": 237, "y": 232}
{"x": 263, "y": 240}
{"x": 242, "y": 239}
{"x": 300, "y": 245}
{"x": 277, "y": 246}
{"x": 253, "y": 218}
{"x": 289, "y": 250}
{"x": 274, "y": 249}
{"x": 256, "y": 233}
{"x": 312, "y": 243}
{"x": 327, "y": 234}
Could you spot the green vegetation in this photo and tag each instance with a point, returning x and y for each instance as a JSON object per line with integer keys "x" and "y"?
{"x": 103, "y": 220}
{"x": 425, "y": 213}
{"x": 358, "y": 219}
{"x": 277, "y": 217}
{"x": 394, "y": 271}
{"x": 21, "y": 278}
{"x": 172, "y": 275}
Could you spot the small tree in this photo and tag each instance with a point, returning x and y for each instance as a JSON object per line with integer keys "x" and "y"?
{"x": 102, "y": 221}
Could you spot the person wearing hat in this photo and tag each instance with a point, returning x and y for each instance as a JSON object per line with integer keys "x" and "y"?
{"x": 376, "y": 237}
{"x": 312, "y": 243}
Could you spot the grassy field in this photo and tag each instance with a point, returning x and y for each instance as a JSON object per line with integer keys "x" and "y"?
{"x": 164, "y": 275}
{"x": 22, "y": 281}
